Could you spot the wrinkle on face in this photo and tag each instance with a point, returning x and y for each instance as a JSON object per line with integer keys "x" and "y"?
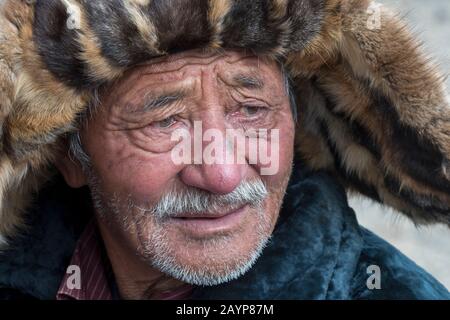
{"x": 234, "y": 79}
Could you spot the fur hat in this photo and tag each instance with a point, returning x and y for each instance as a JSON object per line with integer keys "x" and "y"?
{"x": 372, "y": 109}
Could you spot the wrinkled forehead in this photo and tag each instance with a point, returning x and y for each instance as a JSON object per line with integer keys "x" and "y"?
{"x": 228, "y": 65}
{"x": 205, "y": 56}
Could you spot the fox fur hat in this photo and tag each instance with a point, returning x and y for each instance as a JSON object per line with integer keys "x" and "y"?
{"x": 372, "y": 108}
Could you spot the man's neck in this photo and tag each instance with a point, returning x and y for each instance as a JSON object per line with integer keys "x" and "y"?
{"x": 135, "y": 279}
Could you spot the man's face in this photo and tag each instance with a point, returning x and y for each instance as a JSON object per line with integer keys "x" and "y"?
{"x": 202, "y": 221}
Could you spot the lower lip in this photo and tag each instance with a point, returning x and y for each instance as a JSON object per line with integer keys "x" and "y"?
{"x": 208, "y": 226}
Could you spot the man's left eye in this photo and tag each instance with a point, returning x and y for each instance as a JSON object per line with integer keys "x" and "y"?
{"x": 249, "y": 110}
{"x": 165, "y": 123}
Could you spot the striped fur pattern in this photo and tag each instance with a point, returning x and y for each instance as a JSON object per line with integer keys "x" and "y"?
{"x": 372, "y": 109}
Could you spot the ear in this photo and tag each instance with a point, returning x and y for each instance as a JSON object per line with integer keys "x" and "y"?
{"x": 375, "y": 111}
{"x": 71, "y": 170}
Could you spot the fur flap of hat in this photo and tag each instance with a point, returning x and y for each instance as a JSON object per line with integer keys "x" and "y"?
{"x": 372, "y": 109}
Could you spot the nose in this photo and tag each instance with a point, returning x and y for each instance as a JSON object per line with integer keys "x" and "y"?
{"x": 220, "y": 174}
{"x": 214, "y": 178}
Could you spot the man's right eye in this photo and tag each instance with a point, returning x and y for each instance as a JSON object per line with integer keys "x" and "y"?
{"x": 249, "y": 110}
{"x": 165, "y": 123}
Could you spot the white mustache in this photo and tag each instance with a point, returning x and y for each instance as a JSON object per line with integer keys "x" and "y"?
{"x": 196, "y": 201}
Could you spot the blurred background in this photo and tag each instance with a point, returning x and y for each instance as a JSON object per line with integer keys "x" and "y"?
{"x": 429, "y": 247}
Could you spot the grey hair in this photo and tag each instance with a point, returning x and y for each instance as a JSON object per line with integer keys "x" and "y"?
{"x": 77, "y": 152}
{"x": 290, "y": 92}
{"x": 197, "y": 201}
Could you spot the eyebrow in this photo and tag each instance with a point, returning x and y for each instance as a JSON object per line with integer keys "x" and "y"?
{"x": 248, "y": 82}
{"x": 154, "y": 102}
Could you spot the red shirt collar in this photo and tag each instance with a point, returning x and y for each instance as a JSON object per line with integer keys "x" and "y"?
{"x": 90, "y": 264}
{"x": 87, "y": 263}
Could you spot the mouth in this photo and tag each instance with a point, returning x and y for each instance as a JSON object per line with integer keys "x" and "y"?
{"x": 204, "y": 224}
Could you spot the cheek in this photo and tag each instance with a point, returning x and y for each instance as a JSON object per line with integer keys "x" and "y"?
{"x": 146, "y": 177}
{"x": 286, "y": 149}
{"x": 277, "y": 182}
{"x": 275, "y": 159}
{"x": 127, "y": 170}
{"x": 280, "y": 168}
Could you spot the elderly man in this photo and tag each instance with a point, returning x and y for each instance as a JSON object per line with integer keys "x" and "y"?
{"x": 181, "y": 180}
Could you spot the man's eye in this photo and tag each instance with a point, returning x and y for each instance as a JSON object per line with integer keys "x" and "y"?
{"x": 165, "y": 123}
{"x": 249, "y": 111}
